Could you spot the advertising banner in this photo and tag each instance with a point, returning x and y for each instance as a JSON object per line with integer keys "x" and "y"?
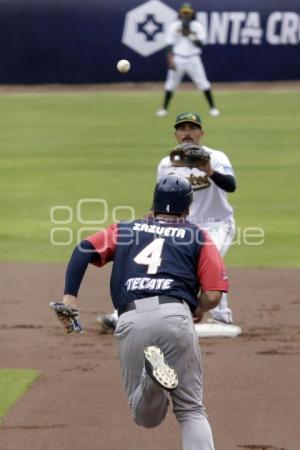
{"x": 72, "y": 41}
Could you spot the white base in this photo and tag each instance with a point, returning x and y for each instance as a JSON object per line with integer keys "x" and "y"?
{"x": 217, "y": 329}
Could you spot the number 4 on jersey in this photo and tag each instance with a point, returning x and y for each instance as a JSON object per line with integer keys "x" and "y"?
{"x": 151, "y": 256}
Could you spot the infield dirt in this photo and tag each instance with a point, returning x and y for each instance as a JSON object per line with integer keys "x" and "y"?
{"x": 251, "y": 383}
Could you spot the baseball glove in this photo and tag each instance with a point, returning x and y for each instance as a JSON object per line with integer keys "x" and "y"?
{"x": 185, "y": 31}
{"x": 189, "y": 155}
{"x": 68, "y": 316}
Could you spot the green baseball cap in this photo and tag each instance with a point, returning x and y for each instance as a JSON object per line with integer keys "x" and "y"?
{"x": 186, "y": 7}
{"x": 191, "y": 117}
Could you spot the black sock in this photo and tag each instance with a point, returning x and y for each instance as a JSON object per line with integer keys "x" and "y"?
{"x": 209, "y": 98}
{"x": 168, "y": 96}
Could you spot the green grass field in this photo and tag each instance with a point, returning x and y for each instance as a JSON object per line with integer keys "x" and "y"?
{"x": 13, "y": 384}
{"x": 58, "y": 149}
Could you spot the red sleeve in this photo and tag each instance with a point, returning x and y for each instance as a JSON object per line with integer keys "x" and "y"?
{"x": 104, "y": 243}
{"x": 211, "y": 271}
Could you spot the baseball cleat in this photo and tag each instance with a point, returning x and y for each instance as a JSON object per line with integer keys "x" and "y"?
{"x": 157, "y": 368}
{"x": 214, "y": 112}
{"x": 107, "y": 324}
{"x": 221, "y": 320}
{"x": 161, "y": 112}
{"x": 223, "y": 316}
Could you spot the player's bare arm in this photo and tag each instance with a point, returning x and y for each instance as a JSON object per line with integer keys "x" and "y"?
{"x": 170, "y": 59}
{"x": 207, "y": 301}
{"x": 84, "y": 254}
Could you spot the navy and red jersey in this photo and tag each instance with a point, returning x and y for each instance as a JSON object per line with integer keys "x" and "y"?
{"x": 159, "y": 257}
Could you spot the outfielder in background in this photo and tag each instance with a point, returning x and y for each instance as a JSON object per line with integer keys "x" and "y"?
{"x": 211, "y": 176}
{"x": 159, "y": 264}
{"x": 185, "y": 39}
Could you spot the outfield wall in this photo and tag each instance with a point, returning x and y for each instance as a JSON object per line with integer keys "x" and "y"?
{"x": 80, "y": 41}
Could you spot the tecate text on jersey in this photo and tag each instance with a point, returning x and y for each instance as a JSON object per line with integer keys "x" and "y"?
{"x": 134, "y": 284}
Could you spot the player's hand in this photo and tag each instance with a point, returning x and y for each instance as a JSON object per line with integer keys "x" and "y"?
{"x": 206, "y": 168}
{"x": 172, "y": 66}
{"x": 198, "y": 314}
{"x": 192, "y": 37}
{"x": 198, "y": 318}
{"x": 68, "y": 316}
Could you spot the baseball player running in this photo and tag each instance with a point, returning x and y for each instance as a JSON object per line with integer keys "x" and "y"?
{"x": 159, "y": 264}
{"x": 185, "y": 40}
{"x": 211, "y": 180}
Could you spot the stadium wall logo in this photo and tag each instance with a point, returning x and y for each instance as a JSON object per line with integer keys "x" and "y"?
{"x": 145, "y": 27}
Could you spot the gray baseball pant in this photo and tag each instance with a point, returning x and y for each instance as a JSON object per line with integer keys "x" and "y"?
{"x": 170, "y": 327}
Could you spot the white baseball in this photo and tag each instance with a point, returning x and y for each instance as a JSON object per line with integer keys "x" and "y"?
{"x": 123, "y": 66}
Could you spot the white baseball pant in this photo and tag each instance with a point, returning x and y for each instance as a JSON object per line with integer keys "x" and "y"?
{"x": 171, "y": 327}
{"x": 191, "y": 66}
{"x": 222, "y": 234}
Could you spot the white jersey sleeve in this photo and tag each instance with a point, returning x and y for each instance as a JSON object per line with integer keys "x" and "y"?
{"x": 220, "y": 162}
{"x": 173, "y": 33}
{"x": 198, "y": 29}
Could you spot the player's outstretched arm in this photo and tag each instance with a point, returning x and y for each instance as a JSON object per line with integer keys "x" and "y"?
{"x": 97, "y": 249}
{"x": 67, "y": 311}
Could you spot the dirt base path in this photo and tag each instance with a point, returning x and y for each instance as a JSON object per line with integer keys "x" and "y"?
{"x": 251, "y": 382}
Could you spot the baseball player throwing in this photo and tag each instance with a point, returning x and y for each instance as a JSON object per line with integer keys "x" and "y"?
{"x": 211, "y": 176}
{"x": 185, "y": 40}
{"x": 159, "y": 263}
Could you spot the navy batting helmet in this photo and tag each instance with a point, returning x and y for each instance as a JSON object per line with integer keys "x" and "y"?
{"x": 172, "y": 195}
